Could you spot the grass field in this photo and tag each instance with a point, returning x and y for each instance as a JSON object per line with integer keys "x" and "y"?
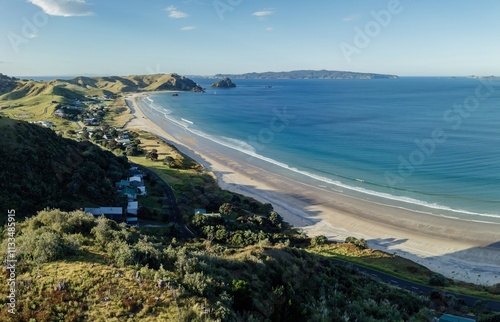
{"x": 105, "y": 292}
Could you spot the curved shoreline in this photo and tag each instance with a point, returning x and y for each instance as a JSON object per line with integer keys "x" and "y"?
{"x": 455, "y": 248}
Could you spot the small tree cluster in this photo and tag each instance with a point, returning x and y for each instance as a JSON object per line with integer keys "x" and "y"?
{"x": 360, "y": 243}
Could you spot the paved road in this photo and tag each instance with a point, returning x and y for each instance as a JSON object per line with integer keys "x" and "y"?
{"x": 419, "y": 288}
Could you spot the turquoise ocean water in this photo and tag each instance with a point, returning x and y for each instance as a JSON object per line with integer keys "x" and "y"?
{"x": 427, "y": 144}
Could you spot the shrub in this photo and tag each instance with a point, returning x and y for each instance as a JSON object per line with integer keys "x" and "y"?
{"x": 319, "y": 240}
{"x": 103, "y": 231}
{"x": 226, "y": 209}
{"x": 438, "y": 280}
{"x": 199, "y": 284}
{"x": 242, "y": 294}
{"x": 360, "y": 243}
{"x": 121, "y": 252}
{"x": 42, "y": 245}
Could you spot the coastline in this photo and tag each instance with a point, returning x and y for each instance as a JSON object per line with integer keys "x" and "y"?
{"x": 426, "y": 239}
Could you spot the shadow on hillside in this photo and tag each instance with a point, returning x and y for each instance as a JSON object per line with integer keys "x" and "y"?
{"x": 387, "y": 243}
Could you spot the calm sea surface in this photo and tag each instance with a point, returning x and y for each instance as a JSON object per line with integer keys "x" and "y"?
{"x": 428, "y": 144}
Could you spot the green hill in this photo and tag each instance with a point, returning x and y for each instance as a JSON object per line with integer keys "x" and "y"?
{"x": 40, "y": 169}
{"x": 128, "y": 84}
{"x": 38, "y": 100}
{"x": 7, "y": 83}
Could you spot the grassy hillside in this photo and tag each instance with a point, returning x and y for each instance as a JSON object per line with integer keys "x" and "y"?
{"x": 76, "y": 268}
{"x": 7, "y": 83}
{"x": 39, "y": 169}
{"x": 32, "y": 100}
{"x": 127, "y": 84}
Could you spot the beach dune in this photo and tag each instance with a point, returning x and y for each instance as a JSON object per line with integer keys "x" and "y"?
{"x": 459, "y": 249}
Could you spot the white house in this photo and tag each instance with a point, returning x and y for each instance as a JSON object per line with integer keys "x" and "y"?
{"x": 135, "y": 178}
{"x": 142, "y": 190}
{"x": 133, "y": 207}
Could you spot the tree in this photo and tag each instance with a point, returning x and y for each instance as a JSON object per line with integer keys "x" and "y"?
{"x": 153, "y": 155}
{"x": 133, "y": 151}
{"x": 438, "y": 280}
{"x": 275, "y": 218}
{"x": 169, "y": 161}
{"x": 226, "y": 208}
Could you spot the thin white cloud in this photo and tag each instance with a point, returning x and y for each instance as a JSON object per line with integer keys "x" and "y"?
{"x": 187, "y": 28}
{"x": 32, "y": 36}
{"x": 352, "y": 17}
{"x": 174, "y": 13}
{"x": 64, "y": 8}
{"x": 269, "y": 29}
{"x": 263, "y": 13}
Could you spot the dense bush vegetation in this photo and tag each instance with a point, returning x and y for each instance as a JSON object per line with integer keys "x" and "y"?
{"x": 40, "y": 169}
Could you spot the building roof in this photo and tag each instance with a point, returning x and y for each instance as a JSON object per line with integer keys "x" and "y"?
{"x": 104, "y": 211}
{"x": 135, "y": 178}
{"x": 453, "y": 318}
{"x": 129, "y": 191}
{"x": 133, "y": 205}
{"x": 200, "y": 211}
{"x": 142, "y": 190}
{"x": 124, "y": 183}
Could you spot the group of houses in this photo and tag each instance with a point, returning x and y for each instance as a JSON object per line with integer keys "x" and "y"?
{"x": 123, "y": 137}
{"x": 132, "y": 187}
{"x": 91, "y": 111}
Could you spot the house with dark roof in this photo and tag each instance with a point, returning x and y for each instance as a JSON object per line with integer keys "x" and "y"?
{"x": 131, "y": 193}
{"x": 113, "y": 213}
{"x": 123, "y": 184}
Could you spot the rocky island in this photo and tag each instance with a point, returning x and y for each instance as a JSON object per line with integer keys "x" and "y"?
{"x": 224, "y": 83}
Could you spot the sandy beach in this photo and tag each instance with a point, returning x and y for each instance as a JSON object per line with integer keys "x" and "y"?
{"x": 459, "y": 249}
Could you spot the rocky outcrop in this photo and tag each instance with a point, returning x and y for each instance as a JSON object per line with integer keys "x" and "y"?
{"x": 224, "y": 83}
{"x": 178, "y": 83}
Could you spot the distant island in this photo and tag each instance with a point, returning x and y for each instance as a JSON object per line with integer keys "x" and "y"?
{"x": 226, "y": 82}
{"x": 308, "y": 74}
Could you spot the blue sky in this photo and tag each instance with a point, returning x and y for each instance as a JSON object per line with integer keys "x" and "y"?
{"x": 205, "y": 37}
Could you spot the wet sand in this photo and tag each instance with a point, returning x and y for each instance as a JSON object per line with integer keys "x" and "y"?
{"x": 459, "y": 249}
